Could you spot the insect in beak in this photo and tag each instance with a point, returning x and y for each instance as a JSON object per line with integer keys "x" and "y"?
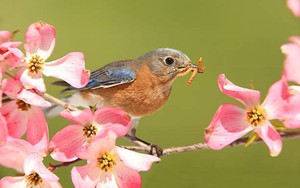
{"x": 194, "y": 69}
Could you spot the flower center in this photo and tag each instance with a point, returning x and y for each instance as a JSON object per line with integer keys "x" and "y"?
{"x": 106, "y": 161}
{"x": 256, "y": 115}
{"x": 33, "y": 179}
{"x": 23, "y": 105}
{"x": 35, "y": 64}
{"x": 89, "y": 131}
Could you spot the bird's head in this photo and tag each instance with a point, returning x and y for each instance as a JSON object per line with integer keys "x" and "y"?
{"x": 167, "y": 63}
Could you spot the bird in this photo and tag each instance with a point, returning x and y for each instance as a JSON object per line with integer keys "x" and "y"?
{"x": 139, "y": 86}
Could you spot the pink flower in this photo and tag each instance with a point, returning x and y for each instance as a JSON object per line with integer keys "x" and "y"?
{"x": 292, "y": 107}
{"x": 40, "y": 41}
{"x": 111, "y": 166}
{"x": 9, "y": 53}
{"x": 23, "y": 157}
{"x": 23, "y": 114}
{"x": 294, "y": 6}
{"x": 232, "y": 122}
{"x": 3, "y": 130}
{"x": 292, "y": 61}
{"x": 87, "y": 126}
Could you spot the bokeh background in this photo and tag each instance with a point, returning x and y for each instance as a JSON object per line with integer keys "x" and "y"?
{"x": 239, "y": 38}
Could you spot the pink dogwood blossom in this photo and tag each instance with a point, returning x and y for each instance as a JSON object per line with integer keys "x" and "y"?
{"x": 87, "y": 126}
{"x": 232, "y": 122}
{"x": 9, "y": 53}
{"x": 40, "y": 42}
{"x": 110, "y": 166}
{"x": 3, "y": 130}
{"x": 23, "y": 113}
{"x": 292, "y": 60}
{"x": 24, "y": 157}
{"x": 292, "y": 107}
{"x": 294, "y": 6}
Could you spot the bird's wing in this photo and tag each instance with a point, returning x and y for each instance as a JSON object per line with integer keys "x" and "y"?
{"x": 113, "y": 74}
{"x": 105, "y": 78}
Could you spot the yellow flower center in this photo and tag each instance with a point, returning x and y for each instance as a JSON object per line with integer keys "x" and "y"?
{"x": 106, "y": 161}
{"x": 89, "y": 131}
{"x": 23, "y": 105}
{"x": 33, "y": 179}
{"x": 35, "y": 64}
{"x": 256, "y": 115}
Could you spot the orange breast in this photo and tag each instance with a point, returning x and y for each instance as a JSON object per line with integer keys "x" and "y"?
{"x": 145, "y": 95}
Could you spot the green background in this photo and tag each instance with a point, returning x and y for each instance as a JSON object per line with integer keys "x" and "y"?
{"x": 239, "y": 38}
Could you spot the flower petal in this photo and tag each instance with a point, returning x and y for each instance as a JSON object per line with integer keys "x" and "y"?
{"x": 52, "y": 185}
{"x": 33, "y": 81}
{"x": 274, "y": 101}
{"x": 271, "y": 137}
{"x": 294, "y": 6}
{"x": 13, "y": 182}
{"x": 40, "y": 39}
{"x": 13, "y": 58}
{"x": 228, "y": 124}
{"x": 103, "y": 143}
{"x": 4, "y": 36}
{"x": 70, "y": 68}
{"x": 30, "y": 97}
{"x": 292, "y": 62}
{"x": 3, "y": 130}
{"x": 292, "y": 108}
{"x": 248, "y": 97}
{"x": 37, "y": 131}
{"x": 16, "y": 119}
{"x": 17, "y": 148}
{"x": 34, "y": 163}
{"x": 66, "y": 142}
{"x": 11, "y": 87}
{"x": 127, "y": 177}
{"x": 136, "y": 161}
{"x": 81, "y": 117}
{"x": 85, "y": 176}
{"x": 107, "y": 180}
{"x": 114, "y": 119}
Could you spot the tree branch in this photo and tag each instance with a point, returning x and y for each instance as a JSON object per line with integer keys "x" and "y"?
{"x": 54, "y": 167}
{"x": 57, "y": 101}
{"x": 203, "y": 146}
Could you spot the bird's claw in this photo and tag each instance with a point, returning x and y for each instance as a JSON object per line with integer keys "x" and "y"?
{"x": 158, "y": 150}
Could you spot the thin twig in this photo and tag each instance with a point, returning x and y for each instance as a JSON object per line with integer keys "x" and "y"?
{"x": 9, "y": 74}
{"x": 202, "y": 146}
{"x": 51, "y": 98}
{"x": 136, "y": 141}
{"x": 57, "y": 101}
{"x": 54, "y": 167}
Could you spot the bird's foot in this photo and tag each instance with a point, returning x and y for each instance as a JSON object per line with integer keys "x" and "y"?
{"x": 155, "y": 149}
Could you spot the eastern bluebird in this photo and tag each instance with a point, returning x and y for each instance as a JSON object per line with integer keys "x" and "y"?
{"x": 140, "y": 86}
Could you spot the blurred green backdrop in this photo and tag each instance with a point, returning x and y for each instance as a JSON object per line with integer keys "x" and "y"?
{"x": 239, "y": 38}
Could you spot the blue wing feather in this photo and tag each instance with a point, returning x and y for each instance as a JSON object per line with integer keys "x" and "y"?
{"x": 106, "y": 77}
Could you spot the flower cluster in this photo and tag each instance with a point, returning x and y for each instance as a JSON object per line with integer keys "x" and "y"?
{"x": 91, "y": 137}
{"x": 279, "y": 111}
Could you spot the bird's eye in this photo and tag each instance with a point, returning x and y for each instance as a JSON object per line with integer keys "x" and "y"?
{"x": 169, "y": 60}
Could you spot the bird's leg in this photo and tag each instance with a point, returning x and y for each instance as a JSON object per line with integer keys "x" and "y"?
{"x": 132, "y": 136}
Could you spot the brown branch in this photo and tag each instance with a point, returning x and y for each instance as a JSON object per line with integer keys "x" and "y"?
{"x": 9, "y": 74}
{"x": 50, "y": 98}
{"x": 202, "y": 146}
{"x": 57, "y": 101}
{"x": 54, "y": 167}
